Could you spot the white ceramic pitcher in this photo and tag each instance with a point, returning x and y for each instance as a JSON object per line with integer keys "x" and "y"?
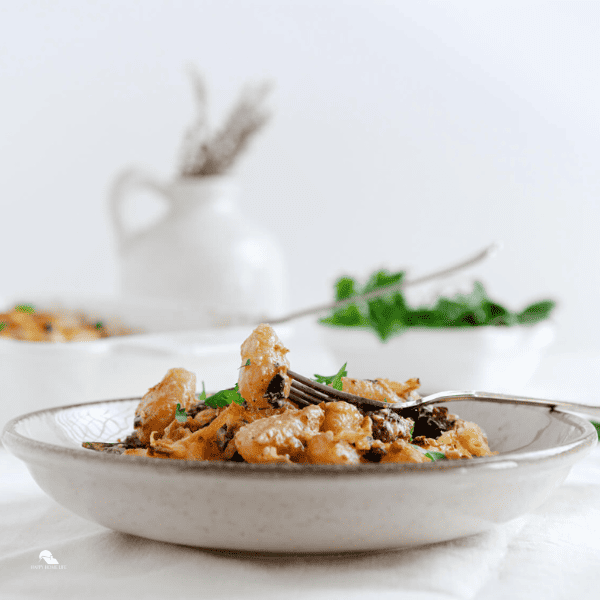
{"x": 204, "y": 253}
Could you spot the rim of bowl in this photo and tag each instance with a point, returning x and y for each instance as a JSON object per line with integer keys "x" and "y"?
{"x": 138, "y": 336}
{"x": 586, "y": 439}
{"x": 469, "y": 330}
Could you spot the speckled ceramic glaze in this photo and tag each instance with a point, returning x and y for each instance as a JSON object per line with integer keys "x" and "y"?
{"x": 299, "y": 508}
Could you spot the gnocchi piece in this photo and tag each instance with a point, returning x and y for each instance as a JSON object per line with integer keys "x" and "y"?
{"x": 465, "y": 440}
{"x": 279, "y": 438}
{"x": 341, "y": 417}
{"x": 324, "y": 449}
{"x": 402, "y": 451}
{"x": 384, "y": 390}
{"x": 157, "y": 408}
{"x": 263, "y": 357}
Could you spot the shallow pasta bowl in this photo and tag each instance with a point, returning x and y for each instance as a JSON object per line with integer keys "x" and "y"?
{"x": 299, "y": 508}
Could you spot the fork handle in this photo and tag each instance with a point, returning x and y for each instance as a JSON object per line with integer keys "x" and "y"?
{"x": 485, "y": 253}
{"x": 584, "y": 409}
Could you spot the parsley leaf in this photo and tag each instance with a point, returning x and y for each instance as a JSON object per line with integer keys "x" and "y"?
{"x": 202, "y": 395}
{"x": 2, "y": 325}
{"x": 536, "y": 312}
{"x": 389, "y": 314}
{"x": 349, "y": 316}
{"x": 335, "y": 381}
{"x": 435, "y": 455}
{"x": 224, "y": 398}
{"x": 597, "y": 426}
{"x": 431, "y": 455}
{"x": 180, "y": 414}
{"x": 27, "y": 308}
{"x": 246, "y": 364}
{"x": 99, "y": 325}
{"x": 344, "y": 288}
{"x": 412, "y": 431}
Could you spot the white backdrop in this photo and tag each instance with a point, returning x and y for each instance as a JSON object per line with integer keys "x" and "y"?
{"x": 404, "y": 135}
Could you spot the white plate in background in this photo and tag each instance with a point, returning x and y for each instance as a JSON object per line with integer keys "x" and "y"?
{"x": 36, "y": 375}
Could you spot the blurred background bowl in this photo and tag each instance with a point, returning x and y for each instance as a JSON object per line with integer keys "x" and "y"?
{"x": 38, "y": 375}
{"x": 501, "y": 359}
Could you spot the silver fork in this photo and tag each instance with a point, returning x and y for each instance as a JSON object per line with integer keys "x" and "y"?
{"x": 305, "y": 391}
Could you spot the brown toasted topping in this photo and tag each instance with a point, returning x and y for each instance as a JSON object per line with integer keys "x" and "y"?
{"x": 388, "y": 426}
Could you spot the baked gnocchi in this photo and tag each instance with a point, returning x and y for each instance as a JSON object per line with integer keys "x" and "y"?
{"x": 24, "y": 322}
{"x": 257, "y": 422}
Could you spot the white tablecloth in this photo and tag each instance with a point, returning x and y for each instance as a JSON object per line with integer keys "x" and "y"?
{"x": 553, "y": 553}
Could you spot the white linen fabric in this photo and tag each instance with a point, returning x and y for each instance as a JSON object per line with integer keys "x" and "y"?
{"x": 553, "y": 553}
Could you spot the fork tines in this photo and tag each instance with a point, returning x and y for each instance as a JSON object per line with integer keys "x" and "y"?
{"x": 305, "y": 391}
{"x": 302, "y": 398}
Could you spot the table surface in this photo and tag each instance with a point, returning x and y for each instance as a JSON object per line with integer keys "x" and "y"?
{"x": 551, "y": 553}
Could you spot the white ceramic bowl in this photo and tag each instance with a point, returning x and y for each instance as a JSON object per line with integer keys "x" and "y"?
{"x": 502, "y": 359}
{"x": 35, "y": 375}
{"x": 299, "y": 508}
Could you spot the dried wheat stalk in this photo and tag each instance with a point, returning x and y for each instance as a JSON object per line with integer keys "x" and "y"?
{"x": 204, "y": 154}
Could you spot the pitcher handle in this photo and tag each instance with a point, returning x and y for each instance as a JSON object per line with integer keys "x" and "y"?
{"x": 125, "y": 182}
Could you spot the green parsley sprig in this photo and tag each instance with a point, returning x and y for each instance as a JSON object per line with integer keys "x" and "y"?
{"x": 27, "y": 308}
{"x": 180, "y": 414}
{"x": 435, "y": 455}
{"x": 432, "y": 455}
{"x": 335, "y": 381}
{"x": 225, "y": 398}
{"x": 390, "y": 314}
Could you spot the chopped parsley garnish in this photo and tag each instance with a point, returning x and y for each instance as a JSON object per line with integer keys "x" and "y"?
{"x": 597, "y": 426}
{"x": 390, "y": 314}
{"x": 412, "y": 431}
{"x": 202, "y": 395}
{"x": 99, "y": 325}
{"x": 27, "y": 308}
{"x": 435, "y": 455}
{"x": 2, "y": 325}
{"x": 431, "y": 455}
{"x": 224, "y": 398}
{"x": 335, "y": 381}
{"x": 180, "y": 414}
{"x": 246, "y": 364}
